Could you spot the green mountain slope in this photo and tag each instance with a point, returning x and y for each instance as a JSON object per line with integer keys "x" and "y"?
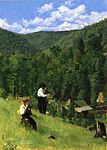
{"x": 10, "y": 42}
{"x": 39, "y": 41}
{"x": 34, "y": 42}
{"x": 96, "y": 30}
{"x": 67, "y": 136}
{"x": 43, "y": 40}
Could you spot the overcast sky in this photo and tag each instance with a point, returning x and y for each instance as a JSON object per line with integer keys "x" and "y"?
{"x": 27, "y": 16}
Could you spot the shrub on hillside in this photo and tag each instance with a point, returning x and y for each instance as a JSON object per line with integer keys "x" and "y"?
{"x": 87, "y": 121}
{"x": 52, "y": 107}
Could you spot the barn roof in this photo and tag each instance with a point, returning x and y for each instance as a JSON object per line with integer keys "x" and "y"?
{"x": 81, "y": 105}
{"x": 84, "y": 108}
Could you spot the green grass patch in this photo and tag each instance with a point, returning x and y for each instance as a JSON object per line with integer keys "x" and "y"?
{"x": 67, "y": 136}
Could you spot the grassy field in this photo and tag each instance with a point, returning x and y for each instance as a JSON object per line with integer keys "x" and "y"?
{"x": 68, "y": 136}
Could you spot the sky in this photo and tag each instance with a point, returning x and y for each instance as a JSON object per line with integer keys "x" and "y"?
{"x": 28, "y": 16}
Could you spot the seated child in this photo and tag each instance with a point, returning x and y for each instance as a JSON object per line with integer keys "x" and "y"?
{"x": 25, "y": 112}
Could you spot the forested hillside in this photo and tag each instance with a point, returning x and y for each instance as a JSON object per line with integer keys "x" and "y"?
{"x": 10, "y": 42}
{"x": 71, "y": 63}
{"x": 31, "y": 43}
{"x": 43, "y": 40}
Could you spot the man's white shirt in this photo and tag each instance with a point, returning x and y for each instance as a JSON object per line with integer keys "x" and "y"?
{"x": 40, "y": 93}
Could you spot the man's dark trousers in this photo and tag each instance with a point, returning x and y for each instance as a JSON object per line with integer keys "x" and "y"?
{"x": 42, "y": 105}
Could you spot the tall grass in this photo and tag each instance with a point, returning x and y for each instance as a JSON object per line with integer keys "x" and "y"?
{"x": 67, "y": 136}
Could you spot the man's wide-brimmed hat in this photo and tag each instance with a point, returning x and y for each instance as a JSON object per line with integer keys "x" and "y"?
{"x": 25, "y": 100}
{"x": 43, "y": 85}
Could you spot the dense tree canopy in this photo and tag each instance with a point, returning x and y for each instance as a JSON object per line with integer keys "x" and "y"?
{"x": 75, "y": 65}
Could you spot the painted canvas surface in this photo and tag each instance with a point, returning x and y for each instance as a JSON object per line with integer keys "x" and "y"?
{"x": 53, "y": 74}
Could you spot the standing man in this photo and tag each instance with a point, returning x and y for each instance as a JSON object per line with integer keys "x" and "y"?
{"x": 42, "y": 103}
